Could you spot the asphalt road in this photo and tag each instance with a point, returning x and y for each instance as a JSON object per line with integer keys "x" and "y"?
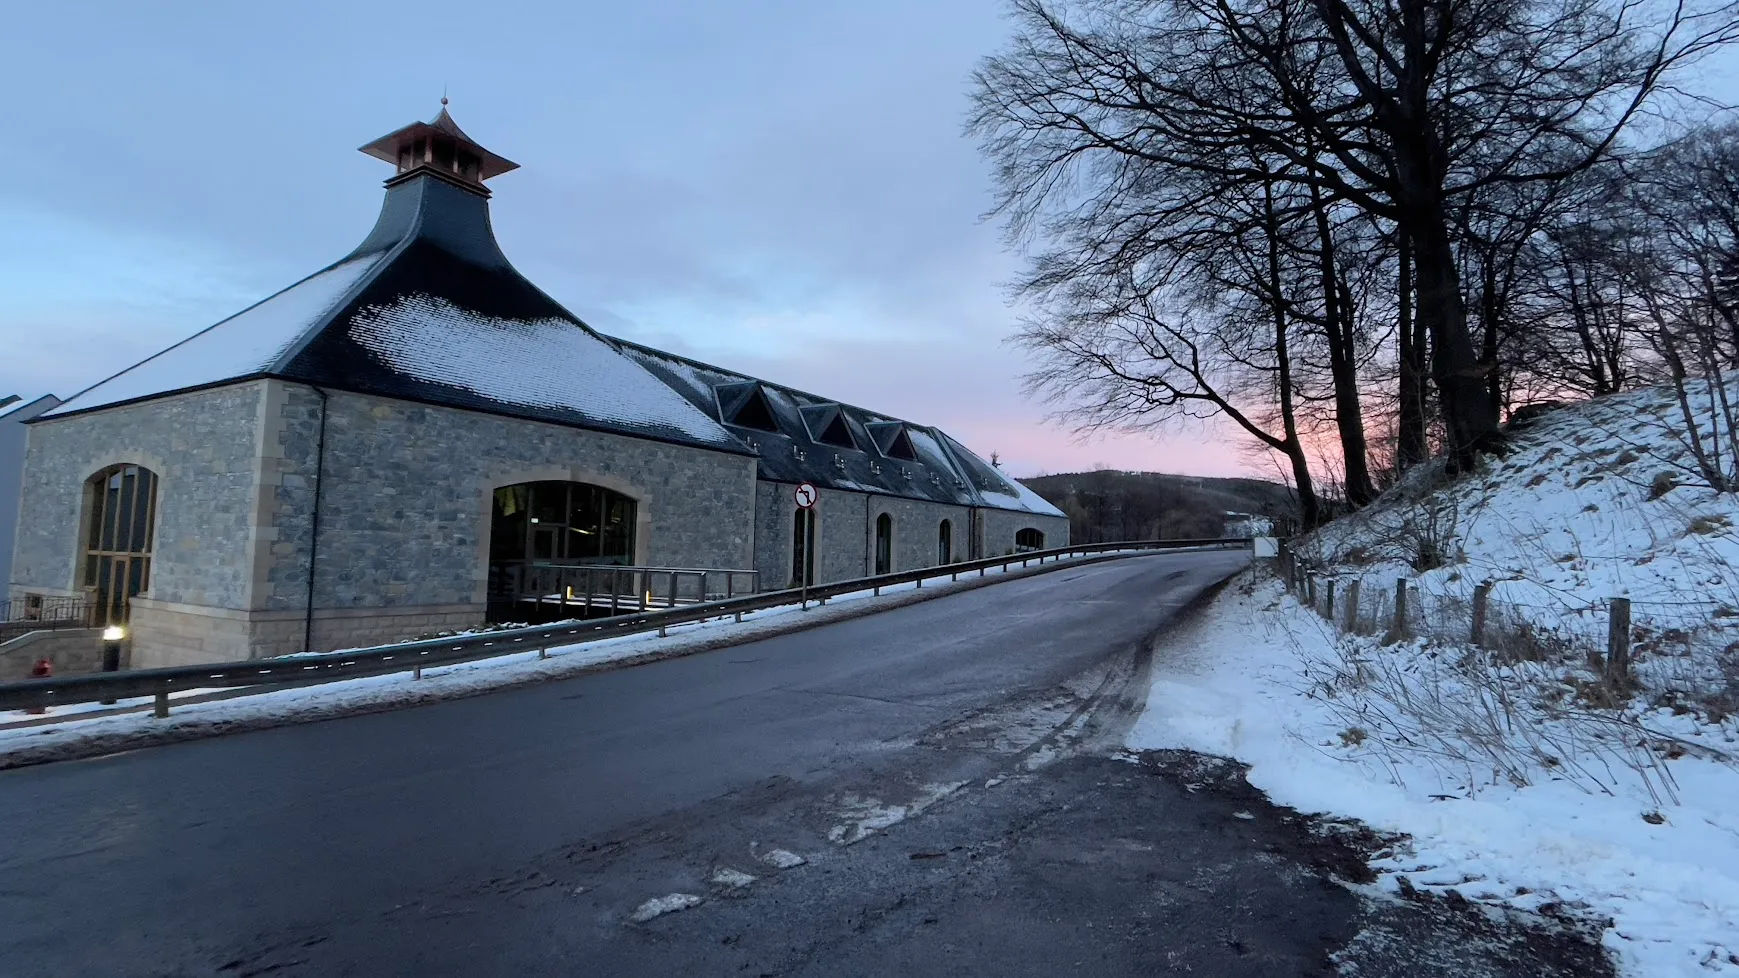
{"x": 942, "y": 770}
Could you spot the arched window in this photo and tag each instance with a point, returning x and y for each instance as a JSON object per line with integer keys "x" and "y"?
{"x": 884, "y": 544}
{"x": 1029, "y": 539}
{"x": 802, "y": 547}
{"x": 945, "y": 542}
{"x": 121, "y": 506}
{"x": 564, "y": 523}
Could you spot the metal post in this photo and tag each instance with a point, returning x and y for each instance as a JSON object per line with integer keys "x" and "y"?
{"x": 1398, "y": 630}
{"x": 1618, "y": 641}
{"x": 804, "y": 566}
{"x": 542, "y": 652}
{"x": 1481, "y": 594}
{"x": 1328, "y": 608}
{"x": 160, "y": 708}
{"x": 417, "y": 673}
{"x": 112, "y": 652}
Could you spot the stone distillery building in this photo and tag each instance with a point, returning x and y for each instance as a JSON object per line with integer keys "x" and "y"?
{"x": 386, "y": 447}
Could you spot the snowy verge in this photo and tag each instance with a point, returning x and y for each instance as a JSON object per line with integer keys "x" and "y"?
{"x": 232, "y": 711}
{"x": 1647, "y": 840}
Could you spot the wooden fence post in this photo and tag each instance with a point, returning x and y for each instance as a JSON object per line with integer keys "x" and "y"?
{"x": 1618, "y": 641}
{"x": 1352, "y": 603}
{"x": 1310, "y": 589}
{"x": 1481, "y": 594}
{"x": 1398, "y": 630}
{"x": 1328, "y": 609}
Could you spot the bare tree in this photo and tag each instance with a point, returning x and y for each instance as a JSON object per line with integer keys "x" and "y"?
{"x": 1684, "y": 272}
{"x": 1112, "y": 122}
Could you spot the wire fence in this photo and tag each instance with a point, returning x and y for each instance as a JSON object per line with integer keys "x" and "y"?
{"x": 1678, "y": 652}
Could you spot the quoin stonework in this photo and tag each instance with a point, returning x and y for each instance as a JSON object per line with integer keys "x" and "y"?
{"x": 397, "y": 444}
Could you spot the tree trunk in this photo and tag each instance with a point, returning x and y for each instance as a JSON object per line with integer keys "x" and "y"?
{"x": 1411, "y": 445}
{"x": 1342, "y": 363}
{"x": 1469, "y": 413}
{"x": 1490, "y": 312}
{"x": 1308, "y": 508}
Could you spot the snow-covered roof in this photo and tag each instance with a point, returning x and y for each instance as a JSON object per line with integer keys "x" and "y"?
{"x": 246, "y": 344}
{"x": 548, "y": 362}
{"x": 427, "y": 309}
{"x": 18, "y": 408}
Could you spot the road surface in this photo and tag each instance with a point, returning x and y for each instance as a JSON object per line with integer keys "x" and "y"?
{"x": 944, "y": 772}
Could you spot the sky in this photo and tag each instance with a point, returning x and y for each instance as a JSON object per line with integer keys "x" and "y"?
{"x": 782, "y": 188}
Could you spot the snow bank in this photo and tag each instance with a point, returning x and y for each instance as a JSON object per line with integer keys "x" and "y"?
{"x": 1597, "y": 500}
{"x": 1263, "y": 680}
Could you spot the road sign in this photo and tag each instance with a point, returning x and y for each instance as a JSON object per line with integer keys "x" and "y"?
{"x": 806, "y": 495}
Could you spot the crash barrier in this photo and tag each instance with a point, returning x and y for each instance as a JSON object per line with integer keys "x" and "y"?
{"x": 309, "y": 668}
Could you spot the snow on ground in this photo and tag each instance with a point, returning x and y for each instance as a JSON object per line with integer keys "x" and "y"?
{"x": 1521, "y": 776}
{"x": 1597, "y": 500}
{"x": 28, "y": 744}
{"x": 1654, "y": 846}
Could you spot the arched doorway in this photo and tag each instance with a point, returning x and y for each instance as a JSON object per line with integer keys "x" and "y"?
{"x": 1029, "y": 539}
{"x": 121, "y": 514}
{"x": 945, "y": 542}
{"x": 884, "y": 544}
{"x": 552, "y": 522}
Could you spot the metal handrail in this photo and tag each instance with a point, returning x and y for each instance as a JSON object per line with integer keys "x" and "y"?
{"x": 308, "y": 669}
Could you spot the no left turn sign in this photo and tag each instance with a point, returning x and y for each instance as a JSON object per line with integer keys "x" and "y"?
{"x": 806, "y": 495}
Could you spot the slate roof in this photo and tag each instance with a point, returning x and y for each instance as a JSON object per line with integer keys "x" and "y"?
{"x": 943, "y": 470}
{"x": 426, "y": 309}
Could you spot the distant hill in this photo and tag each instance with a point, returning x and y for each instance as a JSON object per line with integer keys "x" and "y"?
{"x": 1112, "y": 505}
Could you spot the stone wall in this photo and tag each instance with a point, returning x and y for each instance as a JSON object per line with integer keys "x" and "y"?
{"x": 201, "y": 447}
{"x": 72, "y": 651}
{"x": 845, "y": 533}
{"x": 997, "y": 528}
{"x": 408, "y": 489}
{"x": 403, "y": 522}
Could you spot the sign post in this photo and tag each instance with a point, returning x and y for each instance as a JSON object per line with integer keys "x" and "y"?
{"x": 806, "y": 495}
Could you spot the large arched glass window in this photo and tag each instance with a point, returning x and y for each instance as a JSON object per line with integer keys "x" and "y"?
{"x": 1029, "y": 539}
{"x": 121, "y": 507}
{"x": 568, "y": 523}
{"x": 945, "y": 542}
{"x": 802, "y": 547}
{"x": 884, "y": 544}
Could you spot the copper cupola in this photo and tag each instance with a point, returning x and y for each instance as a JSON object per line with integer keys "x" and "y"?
{"x": 439, "y": 147}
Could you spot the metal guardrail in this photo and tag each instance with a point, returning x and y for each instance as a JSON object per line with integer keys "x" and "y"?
{"x": 308, "y": 669}
{"x": 544, "y": 587}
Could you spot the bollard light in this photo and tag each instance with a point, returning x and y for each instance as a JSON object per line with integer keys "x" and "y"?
{"x": 112, "y": 638}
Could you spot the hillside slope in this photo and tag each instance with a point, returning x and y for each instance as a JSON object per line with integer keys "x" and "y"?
{"x": 1519, "y": 772}
{"x": 1112, "y": 505}
{"x": 1597, "y": 500}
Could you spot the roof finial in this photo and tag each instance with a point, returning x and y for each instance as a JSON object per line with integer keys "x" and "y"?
{"x": 443, "y": 95}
